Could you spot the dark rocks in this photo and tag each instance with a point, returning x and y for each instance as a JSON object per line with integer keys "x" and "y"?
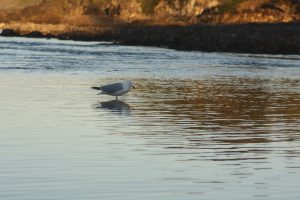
{"x": 34, "y": 34}
{"x": 281, "y": 38}
{"x": 9, "y": 32}
{"x": 243, "y": 38}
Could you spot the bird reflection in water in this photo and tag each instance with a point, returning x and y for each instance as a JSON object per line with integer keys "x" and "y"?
{"x": 115, "y": 106}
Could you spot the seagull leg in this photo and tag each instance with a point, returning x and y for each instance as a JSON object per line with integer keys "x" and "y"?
{"x": 116, "y": 98}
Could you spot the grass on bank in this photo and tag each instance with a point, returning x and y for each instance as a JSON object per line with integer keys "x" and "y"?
{"x": 228, "y": 6}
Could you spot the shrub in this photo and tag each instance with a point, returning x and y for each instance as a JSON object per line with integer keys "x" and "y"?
{"x": 228, "y": 5}
{"x": 148, "y": 6}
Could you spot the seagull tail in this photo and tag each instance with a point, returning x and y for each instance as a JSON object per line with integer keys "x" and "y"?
{"x": 96, "y": 88}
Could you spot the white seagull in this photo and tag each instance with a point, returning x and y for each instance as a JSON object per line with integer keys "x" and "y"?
{"x": 115, "y": 89}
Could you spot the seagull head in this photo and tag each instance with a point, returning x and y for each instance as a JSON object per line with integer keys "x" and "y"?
{"x": 131, "y": 84}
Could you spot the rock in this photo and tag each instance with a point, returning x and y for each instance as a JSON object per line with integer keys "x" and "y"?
{"x": 9, "y": 32}
{"x": 34, "y": 34}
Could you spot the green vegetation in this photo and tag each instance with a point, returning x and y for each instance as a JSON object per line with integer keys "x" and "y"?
{"x": 99, "y": 2}
{"x": 229, "y": 6}
{"x": 149, "y": 5}
{"x": 181, "y": 2}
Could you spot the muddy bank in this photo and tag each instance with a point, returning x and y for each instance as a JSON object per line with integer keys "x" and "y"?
{"x": 243, "y": 38}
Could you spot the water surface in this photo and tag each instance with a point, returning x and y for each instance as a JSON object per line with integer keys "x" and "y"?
{"x": 198, "y": 126}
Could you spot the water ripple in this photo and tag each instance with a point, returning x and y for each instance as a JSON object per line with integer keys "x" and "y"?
{"x": 198, "y": 125}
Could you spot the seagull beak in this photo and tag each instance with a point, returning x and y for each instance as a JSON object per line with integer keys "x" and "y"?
{"x": 133, "y": 87}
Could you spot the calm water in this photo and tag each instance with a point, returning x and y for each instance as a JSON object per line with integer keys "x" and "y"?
{"x": 198, "y": 126}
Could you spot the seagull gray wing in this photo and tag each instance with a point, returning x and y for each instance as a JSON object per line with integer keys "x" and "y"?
{"x": 112, "y": 88}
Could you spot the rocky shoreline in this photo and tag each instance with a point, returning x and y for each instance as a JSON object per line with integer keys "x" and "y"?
{"x": 242, "y": 26}
{"x": 281, "y": 38}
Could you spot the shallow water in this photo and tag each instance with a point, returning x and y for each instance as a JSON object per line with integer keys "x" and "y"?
{"x": 198, "y": 125}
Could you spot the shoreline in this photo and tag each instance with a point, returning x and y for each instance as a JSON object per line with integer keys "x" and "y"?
{"x": 280, "y": 38}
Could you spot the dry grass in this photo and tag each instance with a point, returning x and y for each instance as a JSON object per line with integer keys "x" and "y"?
{"x": 17, "y": 4}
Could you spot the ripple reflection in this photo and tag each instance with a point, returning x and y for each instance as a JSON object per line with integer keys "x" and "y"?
{"x": 114, "y": 106}
{"x": 228, "y": 119}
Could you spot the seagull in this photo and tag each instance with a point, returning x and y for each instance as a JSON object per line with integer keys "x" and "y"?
{"x": 115, "y": 89}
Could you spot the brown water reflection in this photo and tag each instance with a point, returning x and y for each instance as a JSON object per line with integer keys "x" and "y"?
{"x": 230, "y": 111}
